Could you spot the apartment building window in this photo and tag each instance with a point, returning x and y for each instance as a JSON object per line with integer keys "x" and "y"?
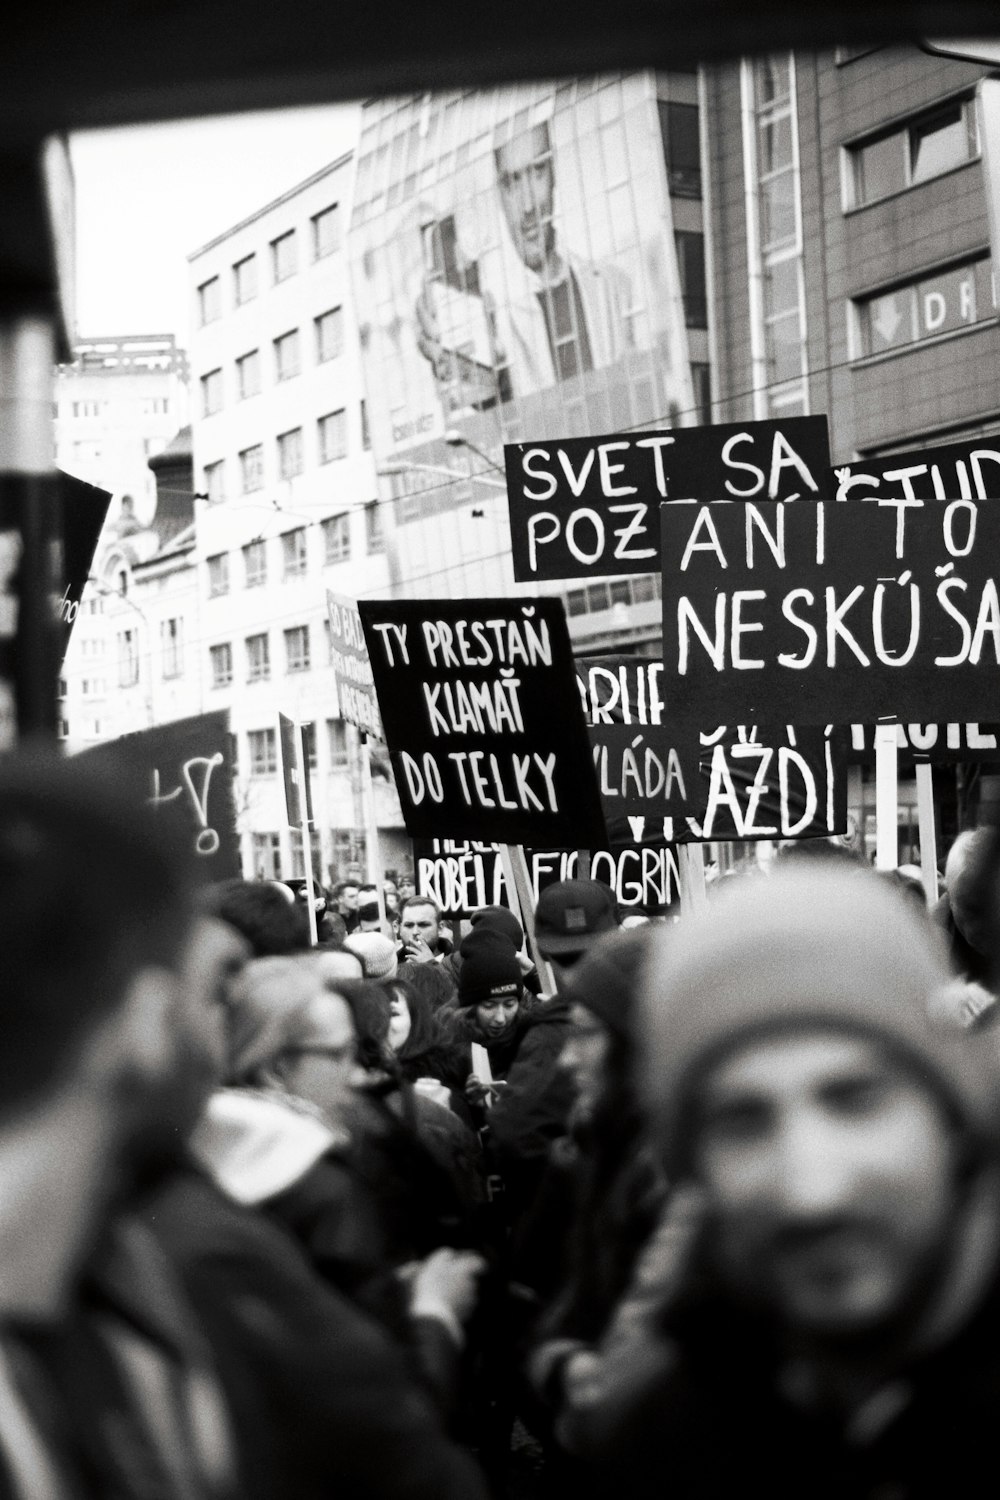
{"x": 171, "y": 644}
{"x": 215, "y": 481}
{"x": 366, "y": 434}
{"x": 937, "y": 303}
{"x": 255, "y": 564}
{"x": 218, "y": 574}
{"x": 209, "y": 301}
{"x": 258, "y": 657}
{"x": 326, "y": 231}
{"x": 691, "y": 266}
{"x": 337, "y": 539}
{"x": 211, "y": 393}
{"x": 336, "y": 734}
{"x": 297, "y": 649}
{"x": 252, "y": 468}
{"x": 926, "y": 146}
{"x": 774, "y": 236}
{"x": 290, "y": 459}
{"x": 220, "y": 659}
{"x": 266, "y": 853}
{"x": 329, "y": 334}
{"x": 680, "y": 133}
{"x": 294, "y": 553}
{"x": 248, "y": 374}
{"x": 245, "y": 279}
{"x": 284, "y": 256}
{"x": 128, "y": 658}
{"x": 332, "y": 436}
{"x": 286, "y": 355}
{"x": 263, "y": 752}
{"x": 374, "y": 535}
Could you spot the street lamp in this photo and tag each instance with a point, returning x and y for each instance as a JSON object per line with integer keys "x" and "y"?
{"x": 405, "y": 466}
{"x": 456, "y": 439}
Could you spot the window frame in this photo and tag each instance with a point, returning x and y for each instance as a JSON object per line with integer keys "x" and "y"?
{"x": 217, "y": 567}
{"x": 294, "y": 564}
{"x": 301, "y": 660}
{"x": 220, "y": 660}
{"x": 258, "y": 670}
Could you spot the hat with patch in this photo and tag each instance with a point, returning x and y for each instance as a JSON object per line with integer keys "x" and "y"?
{"x": 571, "y": 914}
{"x": 490, "y": 970}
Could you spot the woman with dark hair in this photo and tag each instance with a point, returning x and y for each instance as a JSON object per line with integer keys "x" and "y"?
{"x": 433, "y": 981}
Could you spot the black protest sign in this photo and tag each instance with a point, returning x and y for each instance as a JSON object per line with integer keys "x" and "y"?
{"x": 84, "y": 510}
{"x": 294, "y": 773}
{"x": 831, "y": 613}
{"x": 969, "y": 470}
{"x": 483, "y": 720}
{"x": 184, "y": 771}
{"x": 939, "y": 744}
{"x": 587, "y": 507}
{"x": 462, "y": 876}
{"x": 351, "y": 668}
{"x": 664, "y": 783}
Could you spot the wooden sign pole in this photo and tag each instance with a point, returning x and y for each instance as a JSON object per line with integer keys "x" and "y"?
{"x": 886, "y": 797}
{"x": 928, "y": 830}
{"x": 373, "y": 860}
{"x": 692, "y": 871}
{"x": 515, "y": 870}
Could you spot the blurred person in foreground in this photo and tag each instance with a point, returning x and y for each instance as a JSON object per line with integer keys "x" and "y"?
{"x": 966, "y": 910}
{"x": 133, "y": 1362}
{"x": 818, "y": 1310}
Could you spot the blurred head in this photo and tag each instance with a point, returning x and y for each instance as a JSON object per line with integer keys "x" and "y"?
{"x": 570, "y": 917}
{"x": 405, "y": 887}
{"x": 971, "y": 893}
{"x": 292, "y": 1030}
{"x": 271, "y": 922}
{"x": 793, "y": 1066}
{"x": 419, "y": 918}
{"x": 526, "y": 182}
{"x": 376, "y": 952}
{"x": 602, "y": 996}
{"x": 431, "y": 981}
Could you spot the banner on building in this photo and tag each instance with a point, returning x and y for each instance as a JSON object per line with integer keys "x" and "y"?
{"x": 515, "y": 268}
{"x": 352, "y": 669}
{"x": 665, "y": 783}
{"x": 483, "y": 720}
{"x": 464, "y": 876}
{"x": 830, "y": 613}
{"x": 589, "y": 507}
{"x": 185, "y": 770}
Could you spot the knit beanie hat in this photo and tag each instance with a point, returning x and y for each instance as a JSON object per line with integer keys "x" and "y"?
{"x": 490, "y": 970}
{"x": 499, "y": 919}
{"x": 819, "y": 948}
{"x": 376, "y": 952}
{"x": 606, "y": 979}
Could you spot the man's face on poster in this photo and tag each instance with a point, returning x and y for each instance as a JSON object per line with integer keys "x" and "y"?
{"x": 526, "y": 182}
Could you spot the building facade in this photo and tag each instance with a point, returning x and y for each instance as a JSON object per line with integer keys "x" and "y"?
{"x": 287, "y": 508}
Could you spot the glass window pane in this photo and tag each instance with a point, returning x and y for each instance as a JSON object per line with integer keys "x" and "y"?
{"x": 775, "y": 144}
{"x": 879, "y": 169}
{"x": 784, "y": 348}
{"x": 781, "y": 288}
{"x": 772, "y": 78}
{"x": 777, "y": 204}
{"x": 938, "y": 144}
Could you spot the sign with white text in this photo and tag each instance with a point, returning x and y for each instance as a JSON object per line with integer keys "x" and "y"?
{"x": 483, "y": 720}
{"x": 586, "y": 507}
{"x": 969, "y": 470}
{"x": 351, "y": 668}
{"x": 831, "y": 613}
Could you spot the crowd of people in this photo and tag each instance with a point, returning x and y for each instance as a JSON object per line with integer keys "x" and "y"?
{"x": 707, "y": 1203}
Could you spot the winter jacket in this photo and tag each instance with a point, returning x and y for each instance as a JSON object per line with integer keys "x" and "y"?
{"x": 324, "y": 1403}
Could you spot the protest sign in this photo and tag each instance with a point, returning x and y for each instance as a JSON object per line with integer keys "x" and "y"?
{"x": 184, "y": 770}
{"x": 831, "y": 613}
{"x": 83, "y": 511}
{"x": 586, "y": 507}
{"x": 968, "y": 471}
{"x": 462, "y": 876}
{"x": 351, "y": 667}
{"x": 483, "y": 720}
{"x": 937, "y": 744}
{"x": 662, "y": 782}
{"x": 295, "y": 774}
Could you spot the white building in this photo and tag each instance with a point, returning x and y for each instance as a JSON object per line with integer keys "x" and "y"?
{"x": 119, "y": 403}
{"x": 286, "y": 509}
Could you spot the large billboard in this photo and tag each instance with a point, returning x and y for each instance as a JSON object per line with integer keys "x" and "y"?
{"x": 515, "y": 273}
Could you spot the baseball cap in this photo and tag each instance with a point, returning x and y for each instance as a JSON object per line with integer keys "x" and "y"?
{"x": 570, "y": 914}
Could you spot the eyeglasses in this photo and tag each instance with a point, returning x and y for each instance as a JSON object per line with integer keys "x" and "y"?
{"x": 335, "y": 1054}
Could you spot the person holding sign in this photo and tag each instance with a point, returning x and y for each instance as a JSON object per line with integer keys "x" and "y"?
{"x": 820, "y": 1303}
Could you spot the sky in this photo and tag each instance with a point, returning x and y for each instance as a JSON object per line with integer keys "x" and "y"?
{"x": 146, "y": 196}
